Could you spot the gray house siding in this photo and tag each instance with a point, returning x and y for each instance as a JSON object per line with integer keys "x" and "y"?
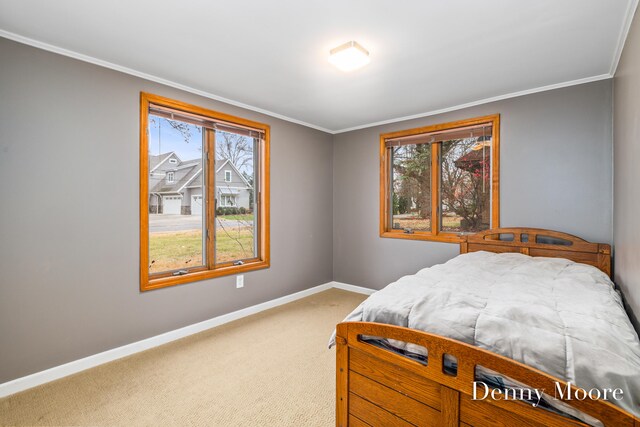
{"x": 237, "y": 186}
{"x": 236, "y": 179}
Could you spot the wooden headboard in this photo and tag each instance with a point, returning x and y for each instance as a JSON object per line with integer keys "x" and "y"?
{"x": 539, "y": 242}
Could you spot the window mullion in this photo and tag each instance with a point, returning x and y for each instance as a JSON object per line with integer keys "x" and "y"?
{"x": 211, "y": 196}
{"x": 388, "y": 189}
{"x": 435, "y": 188}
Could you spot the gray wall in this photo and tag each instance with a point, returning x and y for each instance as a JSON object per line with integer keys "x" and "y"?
{"x": 69, "y": 267}
{"x": 556, "y": 173}
{"x": 626, "y": 179}
{"x": 69, "y": 282}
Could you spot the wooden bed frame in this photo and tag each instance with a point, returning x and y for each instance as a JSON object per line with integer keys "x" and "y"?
{"x": 376, "y": 387}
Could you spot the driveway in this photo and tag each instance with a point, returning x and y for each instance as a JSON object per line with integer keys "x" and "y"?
{"x": 163, "y": 223}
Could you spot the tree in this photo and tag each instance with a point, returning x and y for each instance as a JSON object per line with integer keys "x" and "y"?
{"x": 183, "y": 128}
{"x": 400, "y": 204}
{"x": 403, "y": 205}
{"x": 236, "y": 148}
{"x": 412, "y": 164}
{"x": 465, "y": 181}
{"x": 465, "y": 177}
{"x": 249, "y": 179}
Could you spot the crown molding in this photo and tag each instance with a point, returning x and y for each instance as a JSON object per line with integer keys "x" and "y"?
{"x": 481, "y": 102}
{"x": 622, "y": 37}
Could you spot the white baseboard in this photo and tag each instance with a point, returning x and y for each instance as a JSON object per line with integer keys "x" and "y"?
{"x": 352, "y": 288}
{"x": 57, "y": 372}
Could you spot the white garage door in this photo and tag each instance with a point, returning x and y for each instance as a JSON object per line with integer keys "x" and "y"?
{"x": 171, "y": 205}
{"x": 196, "y": 205}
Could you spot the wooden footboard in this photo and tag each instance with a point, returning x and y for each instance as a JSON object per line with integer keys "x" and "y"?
{"x": 377, "y": 387}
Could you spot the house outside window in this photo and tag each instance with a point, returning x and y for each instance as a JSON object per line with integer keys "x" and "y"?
{"x": 184, "y": 166}
{"x": 439, "y": 182}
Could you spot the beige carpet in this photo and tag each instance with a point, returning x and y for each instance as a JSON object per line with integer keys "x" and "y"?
{"x": 270, "y": 369}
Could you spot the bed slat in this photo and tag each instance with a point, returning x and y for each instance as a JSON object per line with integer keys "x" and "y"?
{"x": 397, "y": 403}
{"x": 375, "y": 415}
{"x": 537, "y": 416}
{"x": 357, "y": 422}
{"x": 397, "y": 378}
{"x": 481, "y": 414}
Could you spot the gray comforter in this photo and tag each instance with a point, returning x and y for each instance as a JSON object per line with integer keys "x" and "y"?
{"x": 559, "y": 316}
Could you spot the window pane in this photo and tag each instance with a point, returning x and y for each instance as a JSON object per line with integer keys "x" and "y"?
{"x": 465, "y": 188}
{"x": 176, "y": 205}
{"x": 411, "y": 187}
{"x": 236, "y": 186}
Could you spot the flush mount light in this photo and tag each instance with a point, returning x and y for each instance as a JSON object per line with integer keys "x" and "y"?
{"x": 349, "y": 56}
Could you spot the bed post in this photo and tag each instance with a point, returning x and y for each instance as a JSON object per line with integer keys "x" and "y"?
{"x": 464, "y": 245}
{"x": 342, "y": 376}
{"x": 604, "y": 258}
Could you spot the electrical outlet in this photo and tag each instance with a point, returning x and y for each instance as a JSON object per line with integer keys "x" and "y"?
{"x": 240, "y": 281}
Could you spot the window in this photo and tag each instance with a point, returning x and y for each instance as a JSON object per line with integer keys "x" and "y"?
{"x": 227, "y": 176}
{"x": 441, "y": 181}
{"x": 173, "y": 161}
{"x": 227, "y": 200}
{"x": 196, "y": 224}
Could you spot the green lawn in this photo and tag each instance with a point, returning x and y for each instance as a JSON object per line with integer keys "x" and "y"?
{"x": 451, "y": 222}
{"x": 182, "y": 249}
{"x": 241, "y": 217}
{"x": 420, "y": 224}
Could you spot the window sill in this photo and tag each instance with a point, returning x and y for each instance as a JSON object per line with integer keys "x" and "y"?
{"x": 151, "y": 283}
{"x": 442, "y": 237}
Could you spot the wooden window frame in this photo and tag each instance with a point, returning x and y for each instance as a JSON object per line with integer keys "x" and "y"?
{"x": 435, "y": 234}
{"x": 210, "y": 269}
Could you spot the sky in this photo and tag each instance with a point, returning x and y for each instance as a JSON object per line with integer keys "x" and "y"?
{"x": 163, "y": 138}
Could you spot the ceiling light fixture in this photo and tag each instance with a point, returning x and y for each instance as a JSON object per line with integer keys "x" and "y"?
{"x": 349, "y": 56}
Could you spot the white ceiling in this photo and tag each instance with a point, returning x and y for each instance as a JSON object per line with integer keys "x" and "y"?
{"x": 271, "y": 56}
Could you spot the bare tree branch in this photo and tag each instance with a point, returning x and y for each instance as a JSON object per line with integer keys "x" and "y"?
{"x": 236, "y": 148}
{"x": 183, "y": 128}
